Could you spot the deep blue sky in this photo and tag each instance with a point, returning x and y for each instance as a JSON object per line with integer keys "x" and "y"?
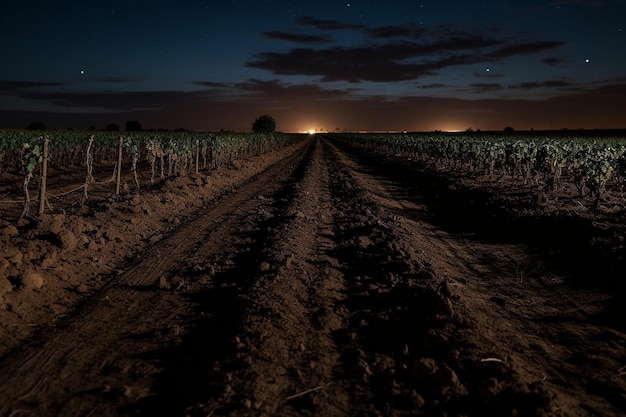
{"x": 358, "y": 65}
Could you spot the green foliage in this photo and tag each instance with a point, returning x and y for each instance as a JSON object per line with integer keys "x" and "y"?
{"x": 548, "y": 162}
{"x": 31, "y": 156}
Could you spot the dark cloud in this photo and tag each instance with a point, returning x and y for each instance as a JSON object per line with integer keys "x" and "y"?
{"x": 523, "y": 49}
{"x": 116, "y": 80}
{"x": 276, "y": 90}
{"x": 392, "y": 61}
{"x": 13, "y": 86}
{"x": 544, "y": 84}
{"x": 587, "y": 3}
{"x": 486, "y": 87}
{"x": 386, "y": 32}
{"x": 552, "y": 61}
{"x": 211, "y": 84}
{"x": 295, "y": 37}
{"x": 295, "y": 107}
{"x": 327, "y": 24}
{"x": 392, "y": 53}
{"x": 434, "y": 85}
{"x": 117, "y": 101}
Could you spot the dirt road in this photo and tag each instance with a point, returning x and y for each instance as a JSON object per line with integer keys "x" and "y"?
{"x": 323, "y": 286}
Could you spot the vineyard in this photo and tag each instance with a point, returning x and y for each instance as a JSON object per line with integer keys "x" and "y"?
{"x": 546, "y": 163}
{"x": 166, "y": 154}
{"x": 222, "y": 274}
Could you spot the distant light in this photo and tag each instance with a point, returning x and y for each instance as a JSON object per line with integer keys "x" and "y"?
{"x": 488, "y": 69}
{"x": 311, "y": 131}
{"x": 587, "y": 61}
{"x": 82, "y": 71}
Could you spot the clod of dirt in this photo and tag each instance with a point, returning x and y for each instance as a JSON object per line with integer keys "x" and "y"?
{"x": 68, "y": 240}
{"x": 163, "y": 284}
{"x": 52, "y": 223}
{"x": 32, "y": 280}
{"x": 448, "y": 380}
{"x": 4, "y": 266}
{"x": 5, "y": 286}
{"x": 14, "y": 256}
{"x": 10, "y": 231}
{"x": 82, "y": 289}
{"x": 265, "y": 267}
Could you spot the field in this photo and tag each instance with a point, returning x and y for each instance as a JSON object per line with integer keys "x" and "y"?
{"x": 326, "y": 275}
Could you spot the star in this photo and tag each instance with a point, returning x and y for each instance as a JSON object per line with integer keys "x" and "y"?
{"x": 82, "y": 72}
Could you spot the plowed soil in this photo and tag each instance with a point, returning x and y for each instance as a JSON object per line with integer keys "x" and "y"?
{"x": 318, "y": 280}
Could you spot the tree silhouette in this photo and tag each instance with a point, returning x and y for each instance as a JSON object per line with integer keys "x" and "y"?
{"x": 264, "y": 124}
{"x": 133, "y": 126}
{"x": 509, "y": 129}
{"x": 112, "y": 127}
{"x": 36, "y": 126}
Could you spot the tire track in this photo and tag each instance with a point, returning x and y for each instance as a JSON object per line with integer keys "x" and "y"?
{"x": 285, "y": 351}
{"x": 408, "y": 349}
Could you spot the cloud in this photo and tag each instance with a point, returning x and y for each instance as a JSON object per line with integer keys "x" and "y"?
{"x": 303, "y": 106}
{"x": 277, "y": 90}
{"x": 15, "y": 86}
{"x": 118, "y": 100}
{"x": 486, "y": 87}
{"x": 587, "y": 3}
{"x": 327, "y": 24}
{"x": 116, "y": 80}
{"x": 523, "y": 49}
{"x": 295, "y": 37}
{"x": 434, "y": 85}
{"x": 211, "y": 84}
{"x": 544, "y": 84}
{"x": 385, "y": 32}
{"x": 552, "y": 61}
{"x": 391, "y": 53}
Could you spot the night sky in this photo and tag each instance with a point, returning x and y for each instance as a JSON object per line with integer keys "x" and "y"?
{"x": 323, "y": 65}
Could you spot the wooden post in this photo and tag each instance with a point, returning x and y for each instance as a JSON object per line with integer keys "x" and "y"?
{"x": 44, "y": 176}
{"x": 118, "y": 178}
{"x": 197, "y": 156}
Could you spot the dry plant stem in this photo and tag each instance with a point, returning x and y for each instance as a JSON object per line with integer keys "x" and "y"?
{"x": 89, "y": 163}
{"x": 118, "y": 177}
{"x": 44, "y": 177}
{"x": 134, "y": 168}
{"x": 308, "y": 391}
{"x": 26, "y": 195}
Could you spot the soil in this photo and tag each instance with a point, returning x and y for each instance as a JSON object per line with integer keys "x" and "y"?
{"x": 315, "y": 280}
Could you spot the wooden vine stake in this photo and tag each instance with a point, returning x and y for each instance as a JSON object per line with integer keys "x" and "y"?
{"x": 197, "y": 156}
{"x": 44, "y": 176}
{"x": 118, "y": 177}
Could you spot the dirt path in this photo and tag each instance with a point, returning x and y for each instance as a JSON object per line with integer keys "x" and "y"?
{"x": 323, "y": 287}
